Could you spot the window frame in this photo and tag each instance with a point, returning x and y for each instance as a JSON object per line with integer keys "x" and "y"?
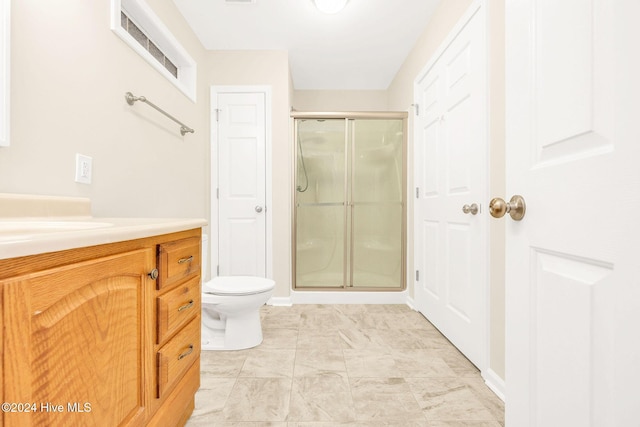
{"x": 147, "y": 21}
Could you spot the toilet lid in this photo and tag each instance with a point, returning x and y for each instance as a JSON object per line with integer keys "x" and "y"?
{"x": 238, "y": 285}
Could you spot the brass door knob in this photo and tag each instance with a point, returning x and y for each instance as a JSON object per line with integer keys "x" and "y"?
{"x": 516, "y": 207}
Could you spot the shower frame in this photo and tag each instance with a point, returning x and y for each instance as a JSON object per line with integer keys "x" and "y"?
{"x": 348, "y": 259}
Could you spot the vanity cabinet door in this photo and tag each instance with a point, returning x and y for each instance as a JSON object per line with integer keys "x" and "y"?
{"x": 74, "y": 342}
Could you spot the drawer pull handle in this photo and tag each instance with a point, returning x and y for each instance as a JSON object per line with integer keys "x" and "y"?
{"x": 186, "y": 353}
{"x": 187, "y": 305}
{"x": 183, "y": 260}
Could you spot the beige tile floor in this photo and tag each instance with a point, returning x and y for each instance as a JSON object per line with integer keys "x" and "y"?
{"x": 347, "y": 365}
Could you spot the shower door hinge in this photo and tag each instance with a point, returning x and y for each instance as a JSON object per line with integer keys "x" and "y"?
{"x": 417, "y": 275}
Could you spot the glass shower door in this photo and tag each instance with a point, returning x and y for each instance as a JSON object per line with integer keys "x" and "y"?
{"x": 349, "y": 202}
{"x": 377, "y": 210}
{"x": 320, "y": 203}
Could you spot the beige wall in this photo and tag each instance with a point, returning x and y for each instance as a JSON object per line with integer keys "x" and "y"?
{"x": 497, "y": 177}
{"x": 400, "y": 97}
{"x": 69, "y": 73}
{"x": 340, "y": 100}
{"x": 267, "y": 68}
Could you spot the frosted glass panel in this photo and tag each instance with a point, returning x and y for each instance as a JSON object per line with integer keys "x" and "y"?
{"x": 377, "y": 161}
{"x": 377, "y": 174}
{"x": 320, "y": 161}
{"x": 320, "y": 246}
{"x": 377, "y": 246}
{"x": 320, "y": 200}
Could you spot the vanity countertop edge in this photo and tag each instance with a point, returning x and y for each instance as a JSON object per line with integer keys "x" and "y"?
{"x": 34, "y": 242}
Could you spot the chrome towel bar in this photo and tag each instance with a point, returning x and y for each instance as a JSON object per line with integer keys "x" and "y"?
{"x": 131, "y": 98}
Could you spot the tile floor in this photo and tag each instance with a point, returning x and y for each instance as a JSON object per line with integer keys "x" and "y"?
{"x": 347, "y": 365}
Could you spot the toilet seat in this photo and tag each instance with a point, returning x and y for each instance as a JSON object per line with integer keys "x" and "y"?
{"x": 238, "y": 285}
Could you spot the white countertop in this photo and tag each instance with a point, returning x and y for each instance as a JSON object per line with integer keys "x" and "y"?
{"x": 37, "y": 224}
{"x": 17, "y": 238}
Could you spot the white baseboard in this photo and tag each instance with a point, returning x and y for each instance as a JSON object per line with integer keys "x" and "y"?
{"x": 346, "y": 297}
{"x": 328, "y": 297}
{"x": 495, "y": 383}
{"x": 411, "y": 303}
{"x": 280, "y": 301}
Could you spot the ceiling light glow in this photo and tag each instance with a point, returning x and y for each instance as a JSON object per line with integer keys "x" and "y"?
{"x": 330, "y": 6}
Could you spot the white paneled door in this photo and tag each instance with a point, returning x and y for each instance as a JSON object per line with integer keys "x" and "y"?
{"x": 450, "y": 150}
{"x": 241, "y": 144}
{"x": 573, "y": 264}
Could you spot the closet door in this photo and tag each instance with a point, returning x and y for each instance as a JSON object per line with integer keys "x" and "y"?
{"x": 242, "y": 223}
{"x": 450, "y": 175}
{"x": 376, "y": 202}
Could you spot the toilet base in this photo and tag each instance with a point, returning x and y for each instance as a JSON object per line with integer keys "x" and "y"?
{"x": 239, "y": 332}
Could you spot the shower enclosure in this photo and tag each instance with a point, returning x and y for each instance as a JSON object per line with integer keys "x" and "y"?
{"x": 349, "y": 201}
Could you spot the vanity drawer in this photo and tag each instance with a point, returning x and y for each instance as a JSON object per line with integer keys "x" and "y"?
{"x": 176, "y": 356}
{"x": 176, "y": 307}
{"x": 178, "y": 260}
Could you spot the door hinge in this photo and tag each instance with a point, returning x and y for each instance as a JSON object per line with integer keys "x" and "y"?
{"x": 217, "y": 270}
{"x": 416, "y": 108}
{"x": 417, "y": 275}
{"x": 417, "y": 192}
{"x": 217, "y": 193}
{"x": 217, "y": 110}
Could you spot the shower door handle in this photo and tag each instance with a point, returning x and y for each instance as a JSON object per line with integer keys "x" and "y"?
{"x": 258, "y": 209}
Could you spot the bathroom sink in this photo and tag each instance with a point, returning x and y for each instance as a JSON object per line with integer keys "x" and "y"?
{"x": 35, "y": 226}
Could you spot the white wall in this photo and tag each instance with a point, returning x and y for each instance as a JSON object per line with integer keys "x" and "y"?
{"x": 340, "y": 100}
{"x": 69, "y": 75}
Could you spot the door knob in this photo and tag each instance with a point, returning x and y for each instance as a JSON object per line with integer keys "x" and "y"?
{"x": 472, "y": 209}
{"x": 515, "y": 207}
{"x": 258, "y": 209}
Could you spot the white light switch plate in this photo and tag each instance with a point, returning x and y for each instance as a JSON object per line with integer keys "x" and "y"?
{"x": 83, "y": 168}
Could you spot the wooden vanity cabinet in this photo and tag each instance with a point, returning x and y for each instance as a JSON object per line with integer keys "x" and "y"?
{"x": 80, "y": 337}
{"x": 177, "y": 328}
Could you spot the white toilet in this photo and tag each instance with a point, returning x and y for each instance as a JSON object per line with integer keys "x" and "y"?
{"x": 231, "y": 310}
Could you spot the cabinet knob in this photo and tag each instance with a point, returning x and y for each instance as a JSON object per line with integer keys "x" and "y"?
{"x": 154, "y": 274}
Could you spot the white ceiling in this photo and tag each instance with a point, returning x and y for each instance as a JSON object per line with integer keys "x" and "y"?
{"x": 360, "y": 48}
